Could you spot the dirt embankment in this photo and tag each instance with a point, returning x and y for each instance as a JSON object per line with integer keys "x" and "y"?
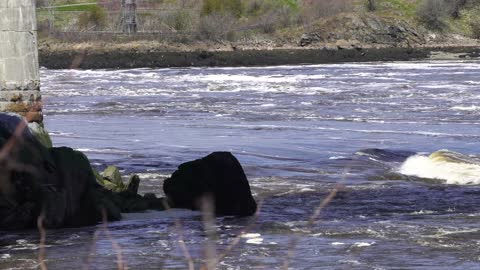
{"x": 257, "y": 57}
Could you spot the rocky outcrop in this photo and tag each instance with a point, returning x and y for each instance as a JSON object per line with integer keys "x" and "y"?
{"x": 358, "y": 30}
{"x": 218, "y": 176}
{"x": 59, "y": 184}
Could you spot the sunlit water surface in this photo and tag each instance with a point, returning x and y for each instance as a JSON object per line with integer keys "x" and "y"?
{"x": 298, "y": 131}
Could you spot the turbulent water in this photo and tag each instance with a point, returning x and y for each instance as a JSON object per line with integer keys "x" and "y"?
{"x": 299, "y": 131}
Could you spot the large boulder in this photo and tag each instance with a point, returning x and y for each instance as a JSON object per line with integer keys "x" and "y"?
{"x": 76, "y": 182}
{"x": 219, "y": 176}
{"x": 57, "y": 183}
{"x": 26, "y": 170}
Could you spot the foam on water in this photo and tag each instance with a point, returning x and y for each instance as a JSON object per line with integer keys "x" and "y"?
{"x": 363, "y": 244}
{"x": 466, "y": 108}
{"x": 453, "y": 168}
{"x": 153, "y": 176}
{"x": 5, "y": 256}
{"x": 107, "y": 150}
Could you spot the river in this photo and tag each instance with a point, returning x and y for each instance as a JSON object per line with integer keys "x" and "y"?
{"x": 300, "y": 132}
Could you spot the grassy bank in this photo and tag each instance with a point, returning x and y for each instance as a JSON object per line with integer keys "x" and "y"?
{"x": 229, "y": 29}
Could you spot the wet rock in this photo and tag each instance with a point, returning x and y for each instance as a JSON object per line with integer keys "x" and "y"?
{"x": 133, "y": 184}
{"x": 130, "y": 202}
{"x": 218, "y": 175}
{"x": 150, "y": 196}
{"x": 57, "y": 183}
{"x": 155, "y": 203}
{"x": 60, "y": 184}
{"x": 74, "y": 178}
{"x": 26, "y": 171}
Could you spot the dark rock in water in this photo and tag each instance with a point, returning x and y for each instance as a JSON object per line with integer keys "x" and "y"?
{"x": 60, "y": 184}
{"x": 129, "y": 202}
{"x": 104, "y": 204}
{"x": 218, "y": 175}
{"x": 27, "y": 170}
{"x": 74, "y": 178}
{"x": 155, "y": 203}
{"x": 133, "y": 184}
{"x": 57, "y": 183}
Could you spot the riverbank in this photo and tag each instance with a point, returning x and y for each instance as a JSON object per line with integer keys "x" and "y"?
{"x": 86, "y": 58}
{"x": 350, "y": 35}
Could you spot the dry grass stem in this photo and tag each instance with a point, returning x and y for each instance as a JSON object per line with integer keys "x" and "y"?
{"x": 323, "y": 204}
{"x": 121, "y": 265}
{"x": 181, "y": 242}
{"x": 311, "y": 222}
{"x": 41, "y": 246}
{"x": 208, "y": 218}
{"x": 92, "y": 249}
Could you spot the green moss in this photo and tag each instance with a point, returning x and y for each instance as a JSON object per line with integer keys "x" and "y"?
{"x": 39, "y": 132}
{"x": 83, "y": 7}
{"x": 98, "y": 177}
{"x": 400, "y": 8}
{"x": 112, "y": 174}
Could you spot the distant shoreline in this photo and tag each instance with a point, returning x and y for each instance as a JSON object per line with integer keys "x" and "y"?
{"x": 125, "y": 59}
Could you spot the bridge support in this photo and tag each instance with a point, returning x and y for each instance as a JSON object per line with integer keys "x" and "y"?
{"x": 19, "y": 70}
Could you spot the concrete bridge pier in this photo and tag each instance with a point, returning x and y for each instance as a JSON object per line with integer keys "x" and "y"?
{"x": 19, "y": 70}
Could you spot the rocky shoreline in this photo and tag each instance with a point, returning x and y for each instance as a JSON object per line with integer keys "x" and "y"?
{"x": 122, "y": 59}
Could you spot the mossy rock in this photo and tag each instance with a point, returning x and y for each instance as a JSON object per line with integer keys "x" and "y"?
{"x": 112, "y": 174}
{"x": 98, "y": 177}
{"x": 39, "y": 132}
{"x": 106, "y": 183}
{"x": 111, "y": 186}
{"x": 56, "y": 182}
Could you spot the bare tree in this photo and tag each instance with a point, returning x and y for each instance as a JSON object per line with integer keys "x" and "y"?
{"x": 51, "y": 16}
{"x": 456, "y": 5}
{"x": 371, "y": 5}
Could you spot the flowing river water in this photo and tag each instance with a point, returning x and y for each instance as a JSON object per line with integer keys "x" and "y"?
{"x": 299, "y": 131}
